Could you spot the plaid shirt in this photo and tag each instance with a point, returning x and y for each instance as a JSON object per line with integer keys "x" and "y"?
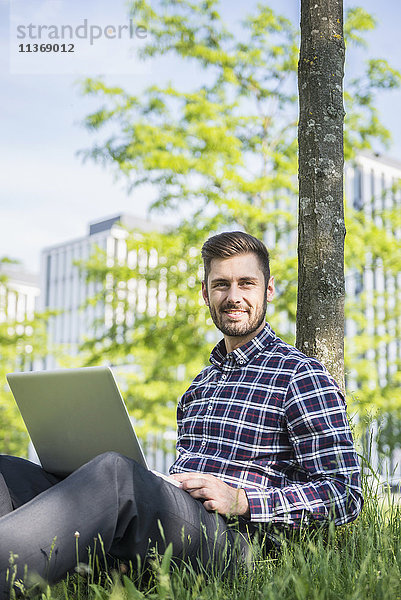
{"x": 270, "y": 420}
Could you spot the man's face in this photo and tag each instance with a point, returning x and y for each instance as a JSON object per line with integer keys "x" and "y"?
{"x": 236, "y": 295}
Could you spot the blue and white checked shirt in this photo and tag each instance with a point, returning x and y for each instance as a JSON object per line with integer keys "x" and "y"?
{"x": 270, "y": 420}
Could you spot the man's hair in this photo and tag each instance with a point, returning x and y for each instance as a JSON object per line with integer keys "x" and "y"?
{"x": 233, "y": 243}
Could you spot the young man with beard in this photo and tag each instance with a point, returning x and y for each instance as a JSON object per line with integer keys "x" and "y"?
{"x": 263, "y": 442}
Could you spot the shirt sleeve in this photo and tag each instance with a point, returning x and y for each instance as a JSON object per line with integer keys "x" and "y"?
{"x": 323, "y": 450}
{"x": 179, "y": 420}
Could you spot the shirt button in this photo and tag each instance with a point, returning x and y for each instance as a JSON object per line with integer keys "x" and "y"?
{"x": 209, "y": 407}
{"x": 203, "y": 443}
{"x": 224, "y": 376}
{"x": 241, "y": 362}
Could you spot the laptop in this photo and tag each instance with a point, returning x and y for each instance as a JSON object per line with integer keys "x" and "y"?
{"x": 72, "y": 415}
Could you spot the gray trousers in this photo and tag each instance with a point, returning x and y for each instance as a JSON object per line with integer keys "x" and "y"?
{"x": 112, "y": 496}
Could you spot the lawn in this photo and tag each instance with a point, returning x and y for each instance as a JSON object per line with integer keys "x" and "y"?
{"x": 359, "y": 561}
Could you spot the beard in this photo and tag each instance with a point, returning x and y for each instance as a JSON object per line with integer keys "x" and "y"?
{"x": 235, "y": 329}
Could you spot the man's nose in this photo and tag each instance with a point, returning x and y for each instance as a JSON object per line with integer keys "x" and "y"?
{"x": 233, "y": 294}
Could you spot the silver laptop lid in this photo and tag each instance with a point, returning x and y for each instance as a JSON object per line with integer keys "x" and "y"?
{"x": 72, "y": 415}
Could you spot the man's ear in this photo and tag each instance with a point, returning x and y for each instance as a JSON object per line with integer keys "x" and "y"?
{"x": 205, "y": 294}
{"x": 270, "y": 290}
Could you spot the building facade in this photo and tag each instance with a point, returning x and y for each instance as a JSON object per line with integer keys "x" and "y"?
{"x": 19, "y": 294}
{"x": 19, "y": 299}
{"x": 66, "y": 291}
{"x": 372, "y": 187}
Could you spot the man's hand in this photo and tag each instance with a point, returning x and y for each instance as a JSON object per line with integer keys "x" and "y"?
{"x": 217, "y": 495}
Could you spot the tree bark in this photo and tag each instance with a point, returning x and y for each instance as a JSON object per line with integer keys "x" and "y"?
{"x": 321, "y": 229}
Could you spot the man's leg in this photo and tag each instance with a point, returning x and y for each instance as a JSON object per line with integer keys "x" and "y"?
{"x": 114, "y": 497}
{"x": 24, "y": 480}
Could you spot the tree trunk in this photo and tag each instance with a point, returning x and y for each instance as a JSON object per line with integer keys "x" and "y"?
{"x": 321, "y": 229}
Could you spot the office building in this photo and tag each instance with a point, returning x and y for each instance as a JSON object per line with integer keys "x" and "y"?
{"x": 372, "y": 186}
{"x": 19, "y": 294}
{"x": 66, "y": 290}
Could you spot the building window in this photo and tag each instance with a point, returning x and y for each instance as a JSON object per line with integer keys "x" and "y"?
{"x": 358, "y": 200}
{"x": 48, "y": 265}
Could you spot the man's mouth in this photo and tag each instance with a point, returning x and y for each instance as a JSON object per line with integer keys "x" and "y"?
{"x": 234, "y": 312}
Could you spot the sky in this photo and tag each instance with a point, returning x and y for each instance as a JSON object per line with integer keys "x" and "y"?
{"x": 48, "y": 195}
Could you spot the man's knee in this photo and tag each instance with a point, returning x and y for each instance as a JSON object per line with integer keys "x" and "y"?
{"x": 114, "y": 463}
{"x": 109, "y": 457}
{"x": 112, "y": 458}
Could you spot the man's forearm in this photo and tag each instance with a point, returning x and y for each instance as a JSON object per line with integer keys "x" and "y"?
{"x": 339, "y": 499}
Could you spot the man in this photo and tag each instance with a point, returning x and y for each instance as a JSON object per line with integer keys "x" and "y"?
{"x": 263, "y": 441}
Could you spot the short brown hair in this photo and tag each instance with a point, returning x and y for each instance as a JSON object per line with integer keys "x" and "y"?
{"x": 232, "y": 243}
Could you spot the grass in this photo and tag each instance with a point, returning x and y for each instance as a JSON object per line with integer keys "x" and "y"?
{"x": 360, "y": 561}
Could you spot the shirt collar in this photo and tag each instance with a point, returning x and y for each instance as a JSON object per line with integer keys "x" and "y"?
{"x": 242, "y": 355}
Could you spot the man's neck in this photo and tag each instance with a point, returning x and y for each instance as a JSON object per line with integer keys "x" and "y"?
{"x": 234, "y": 342}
